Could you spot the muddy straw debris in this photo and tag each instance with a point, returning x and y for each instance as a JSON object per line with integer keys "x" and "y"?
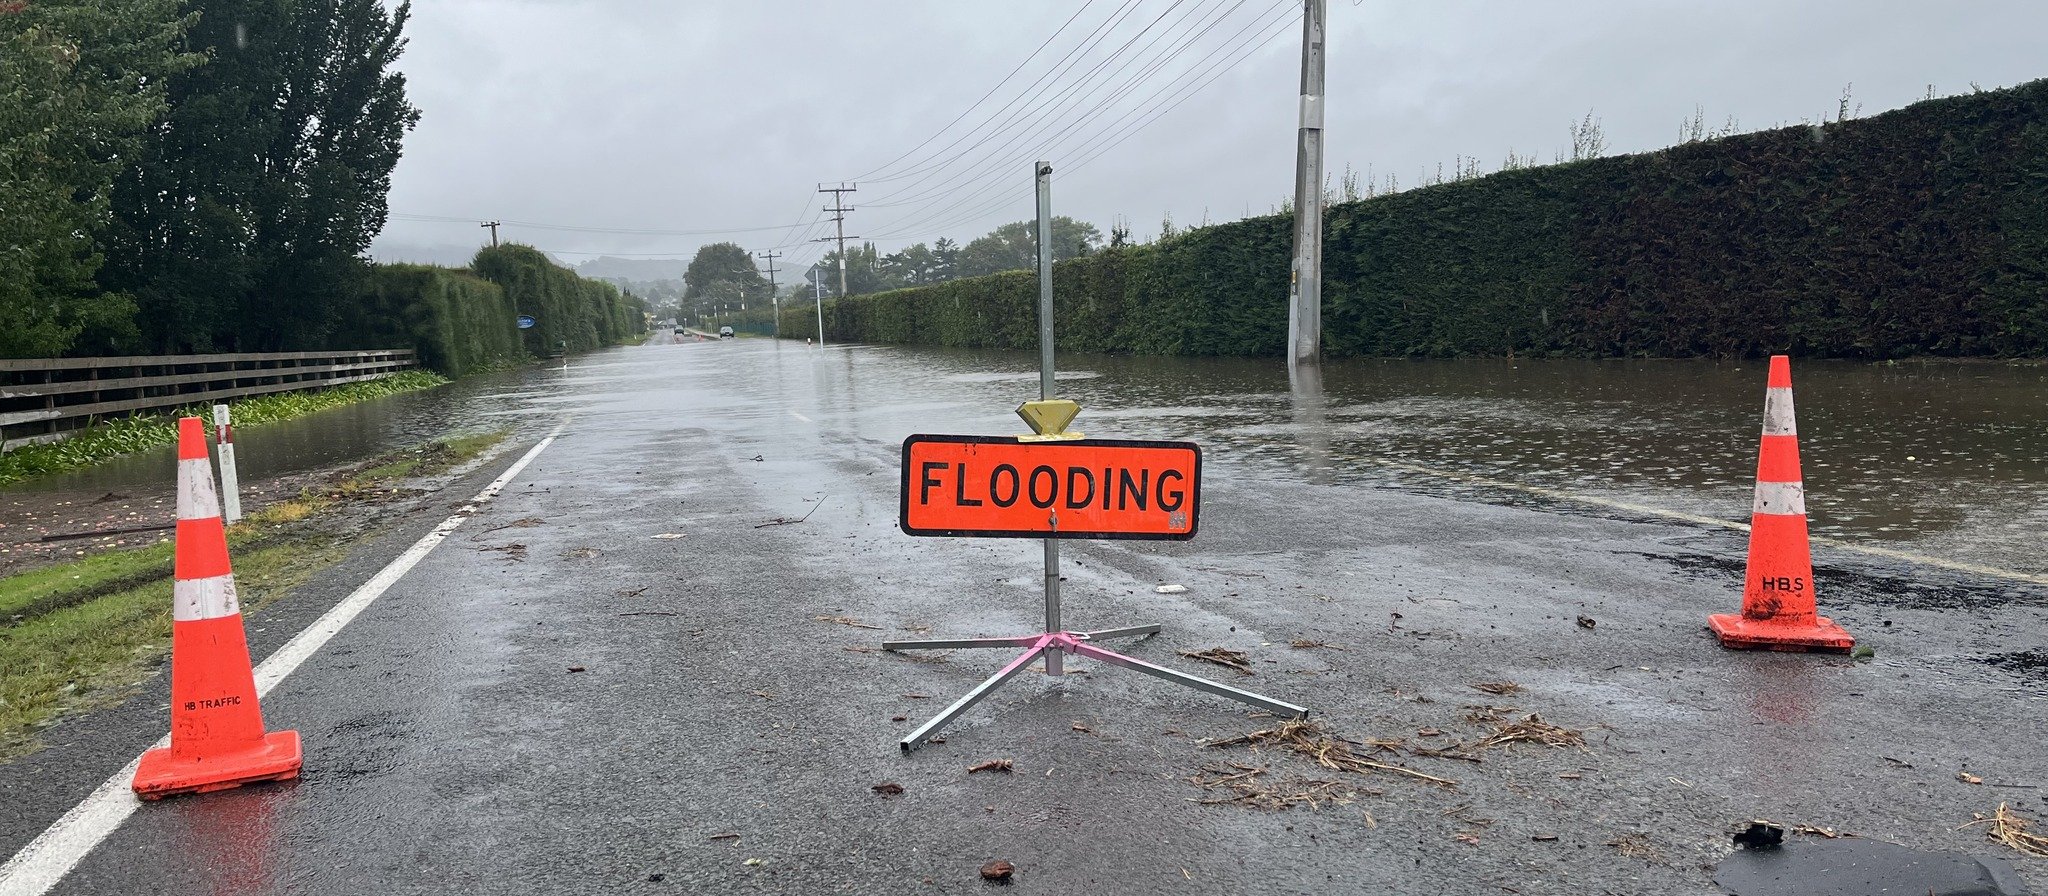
{"x": 1312, "y": 740}
{"x": 1532, "y": 729}
{"x": 2012, "y": 829}
{"x": 1497, "y": 688}
{"x": 993, "y": 765}
{"x": 846, "y": 620}
{"x": 1221, "y": 656}
{"x": 1250, "y": 785}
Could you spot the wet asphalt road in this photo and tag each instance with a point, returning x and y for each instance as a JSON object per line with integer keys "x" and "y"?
{"x": 450, "y": 748}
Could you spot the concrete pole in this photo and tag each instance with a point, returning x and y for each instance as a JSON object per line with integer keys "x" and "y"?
{"x": 1305, "y": 293}
{"x": 1042, "y": 173}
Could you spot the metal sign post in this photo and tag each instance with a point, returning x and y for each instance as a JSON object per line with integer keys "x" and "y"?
{"x": 1107, "y": 488}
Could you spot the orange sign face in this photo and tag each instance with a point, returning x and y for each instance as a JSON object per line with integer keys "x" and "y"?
{"x": 996, "y": 486}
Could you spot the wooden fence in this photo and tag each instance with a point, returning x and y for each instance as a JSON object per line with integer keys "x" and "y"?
{"x": 46, "y": 399}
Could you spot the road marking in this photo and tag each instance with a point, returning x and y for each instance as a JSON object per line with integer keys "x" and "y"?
{"x": 58, "y": 849}
{"x": 1888, "y": 553}
{"x": 800, "y": 416}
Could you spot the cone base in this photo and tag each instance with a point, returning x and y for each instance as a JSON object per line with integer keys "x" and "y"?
{"x": 163, "y": 773}
{"x": 1738, "y": 633}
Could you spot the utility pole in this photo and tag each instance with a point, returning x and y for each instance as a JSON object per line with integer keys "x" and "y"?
{"x": 493, "y": 225}
{"x": 1305, "y": 287}
{"x": 839, "y": 209}
{"x": 818, "y": 291}
{"x": 774, "y": 293}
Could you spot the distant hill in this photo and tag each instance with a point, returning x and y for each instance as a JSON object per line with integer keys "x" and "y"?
{"x": 612, "y": 268}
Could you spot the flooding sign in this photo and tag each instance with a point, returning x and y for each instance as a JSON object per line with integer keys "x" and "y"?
{"x": 999, "y": 487}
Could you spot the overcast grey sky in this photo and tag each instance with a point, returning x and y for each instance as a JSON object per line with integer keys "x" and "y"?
{"x": 686, "y": 116}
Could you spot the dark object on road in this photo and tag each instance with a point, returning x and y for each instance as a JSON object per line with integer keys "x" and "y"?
{"x": 1761, "y": 835}
{"x": 575, "y": 668}
{"x": 1853, "y": 867}
{"x": 888, "y": 789}
{"x": 993, "y": 765}
{"x": 998, "y": 870}
{"x": 1587, "y": 622}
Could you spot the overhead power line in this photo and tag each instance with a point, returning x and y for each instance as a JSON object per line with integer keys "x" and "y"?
{"x": 964, "y": 202}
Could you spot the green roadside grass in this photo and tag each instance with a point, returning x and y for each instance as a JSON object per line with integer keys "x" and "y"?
{"x": 86, "y": 633}
{"x": 125, "y": 435}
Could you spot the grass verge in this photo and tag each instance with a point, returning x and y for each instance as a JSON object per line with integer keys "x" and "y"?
{"x": 124, "y": 435}
{"x": 84, "y": 634}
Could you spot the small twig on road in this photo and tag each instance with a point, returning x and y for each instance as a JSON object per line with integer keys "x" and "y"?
{"x": 1222, "y": 656}
{"x": 786, "y": 521}
{"x": 846, "y": 620}
{"x": 650, "y": 613}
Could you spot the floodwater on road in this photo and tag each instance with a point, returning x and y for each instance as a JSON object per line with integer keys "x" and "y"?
{"x": 1948, "y": 460}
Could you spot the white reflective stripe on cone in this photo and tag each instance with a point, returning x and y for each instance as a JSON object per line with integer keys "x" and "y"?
{"x": 197, "y": 499}
{"x": 1780, "y": 498}
{"x": 196, "y": 599}
{"x": 1778, "y": 413}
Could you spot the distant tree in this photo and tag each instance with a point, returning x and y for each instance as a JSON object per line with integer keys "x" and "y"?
{"x": 911, "y": 267}
{"x": 723, "y": 273}
{"x": 244, "y": 223}
{"x": 1014, "y": 246}
{"x": 81, "y": 82}
{"x": 1119, "y": 232}
{"x": 945, "y": 260}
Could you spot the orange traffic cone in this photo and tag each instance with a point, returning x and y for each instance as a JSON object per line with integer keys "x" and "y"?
{"x": 217, "y": 738}
{"x": 1778, "y": 610}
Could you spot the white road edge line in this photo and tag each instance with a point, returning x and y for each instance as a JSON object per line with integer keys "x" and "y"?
{"x": 52, "y": 854}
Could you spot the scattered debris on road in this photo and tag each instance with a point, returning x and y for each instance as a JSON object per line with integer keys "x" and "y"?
{"x": 514, "y": 551}
{"x": 2012, "y": 829}
{"x": 1171, "y": 589}
{"x": 888, "y": 789}
{"x": 576, "y": 669}
{"x": 846, "y": 620}
{"x": 1968, "y": 778}
{"x": 650, "y": 613}
{"x": 1587, "y": 622}
{"x": 632, "y": 592}
{"x": 1532, "y": 729}
{"x": 527, "y": 522}
{"x": 579, "y": 553}
{"x": 1312, "y": 740}
{"x": 1222, "y": 657}
{"x": 993, "y": 765}
{"x": 725, "y": 836}
{"x": 1306, "y": 644}
{"x": 1248, "y": 785}
{"x": 1498, "y": 688}
{"x": 998, "y": 870}
{"x": 1636, "y": 846}
{"x": 667, "y": 535}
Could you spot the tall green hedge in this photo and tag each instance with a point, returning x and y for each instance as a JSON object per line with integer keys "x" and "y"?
{"x": 568, "y": 310}
{"x": 1922, "y": 231}
{"x": 460, "y": 323}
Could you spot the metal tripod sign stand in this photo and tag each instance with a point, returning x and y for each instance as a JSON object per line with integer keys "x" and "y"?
{"x": 1053, "y": 484}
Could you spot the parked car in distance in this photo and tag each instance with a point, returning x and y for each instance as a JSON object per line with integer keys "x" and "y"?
{"x": 725, "y": 332}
